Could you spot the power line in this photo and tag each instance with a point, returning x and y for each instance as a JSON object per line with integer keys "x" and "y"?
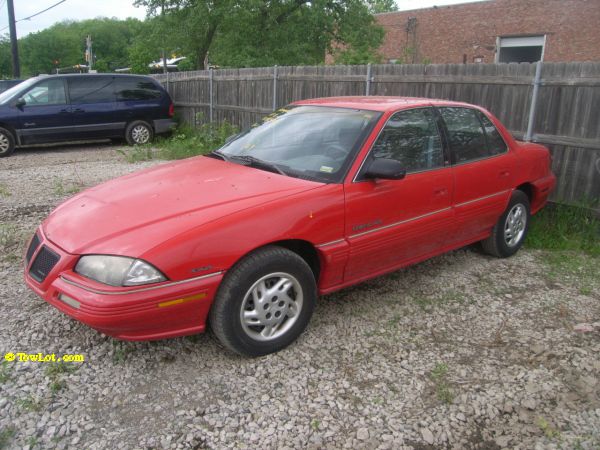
{"x": 36, "y": 14}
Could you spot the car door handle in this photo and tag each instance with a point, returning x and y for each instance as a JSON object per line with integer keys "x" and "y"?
{"x": 504, "y": 173}
{"x": 79, "y": 110}
{"x": 29, "y": 124}
{"x": 440, "y": 192}
{"x": 64, "y": 111}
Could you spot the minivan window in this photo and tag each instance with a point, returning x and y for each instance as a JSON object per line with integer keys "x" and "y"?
{"x": 13, "y": 92}
{"x": 91, "y": 89}
{"x": 136, "y": 89}
{"x": 47, "y": 92}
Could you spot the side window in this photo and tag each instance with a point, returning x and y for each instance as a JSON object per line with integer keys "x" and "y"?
{"x": 47, "y": 92}
{"x": 496, "y": 144}
{"x": 136, "y": 89}
{"x": 412, "y": 138}
{"x": 91, "y": 89}
{"x": 465, "y": 134}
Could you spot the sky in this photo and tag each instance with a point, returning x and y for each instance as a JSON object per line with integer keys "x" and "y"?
{"x": 121, "y": 9}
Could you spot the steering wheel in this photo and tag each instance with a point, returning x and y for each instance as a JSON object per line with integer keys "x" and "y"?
{"x": 336, "y": 152}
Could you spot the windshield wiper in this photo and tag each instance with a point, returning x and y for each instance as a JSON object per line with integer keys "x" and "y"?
{"x": 219, "y": 154}
{"x": 256, "y": 162}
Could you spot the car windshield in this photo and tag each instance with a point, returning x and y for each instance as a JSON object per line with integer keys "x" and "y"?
{"x": 7, "y": 95}
{"x": 312, "y": 142}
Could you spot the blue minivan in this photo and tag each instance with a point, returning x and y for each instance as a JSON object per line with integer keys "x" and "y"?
{"x": 59, "y": 108}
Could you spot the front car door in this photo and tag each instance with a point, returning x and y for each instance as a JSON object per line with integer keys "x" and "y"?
{"x": 45, "y": 116}
{"x": 391, "y": 223}
{"x": 483, "y": 172}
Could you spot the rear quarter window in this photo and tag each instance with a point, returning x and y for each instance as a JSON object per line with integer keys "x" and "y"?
{"x": 128, "y": 89}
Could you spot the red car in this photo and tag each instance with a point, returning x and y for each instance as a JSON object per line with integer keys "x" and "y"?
{"x": 321, "y": 195}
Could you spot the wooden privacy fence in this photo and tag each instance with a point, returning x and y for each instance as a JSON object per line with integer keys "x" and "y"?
{"x": 563, "y": 114}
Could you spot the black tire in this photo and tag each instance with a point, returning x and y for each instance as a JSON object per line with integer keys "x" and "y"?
{"x": 7, "y": 143}
{"x": 505, "y": 240}
{"x": 235, "y": 295}
{"x": 139, "y": 132}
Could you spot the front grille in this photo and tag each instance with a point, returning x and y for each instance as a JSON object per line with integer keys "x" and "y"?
{"x": 35, "y": 242}
{"x": 45, "y": 260}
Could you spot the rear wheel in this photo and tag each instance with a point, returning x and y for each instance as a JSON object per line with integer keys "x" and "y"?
{"x": 7, "y": 142}
{"x": 264, "y": 302}
{"x": 138, "y": 133}
{"x": 511, "y": 229}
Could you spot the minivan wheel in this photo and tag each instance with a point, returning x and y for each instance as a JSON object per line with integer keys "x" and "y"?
{"x": 511, "y": 229}
{"x": 7, "y": 142}
{"x": 138, "y": 133}
{"x": 264, "y": 302}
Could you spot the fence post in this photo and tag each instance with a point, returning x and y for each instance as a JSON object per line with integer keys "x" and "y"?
{"x": 368, "y": 84}
{"x": 210, "y": 94}
{"x": 274, "y": 87}
{"x": 534, "y": 96}
{"x": 168, "y": 85}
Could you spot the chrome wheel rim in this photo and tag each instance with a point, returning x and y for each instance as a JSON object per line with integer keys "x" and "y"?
{"x": 140, "y": 134}
{"x": 271, "y": 306}
{"x": 4, "y": 143}
{"x": 514, "y": 226}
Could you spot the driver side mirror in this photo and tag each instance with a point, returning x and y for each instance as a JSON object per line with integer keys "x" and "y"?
{"x": 20, "y": 102}
{"x": 385, "y": 169}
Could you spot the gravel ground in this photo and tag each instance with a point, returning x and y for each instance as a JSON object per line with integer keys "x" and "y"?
{"x": 462, "y": 351}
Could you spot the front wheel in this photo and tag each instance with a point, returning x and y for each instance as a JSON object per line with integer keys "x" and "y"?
{"x": 264, "y": 302}
{"x": 511, "y": 229}
{"x": 138, "y": 133}
{"x": 7, "y": 142}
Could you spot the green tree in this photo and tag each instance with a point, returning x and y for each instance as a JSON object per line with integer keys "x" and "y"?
{"x": 5, "y": 57}
{"x": 382, "y": 6}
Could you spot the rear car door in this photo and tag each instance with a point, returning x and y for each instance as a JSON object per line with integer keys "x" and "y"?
{"x": 390, "y": 223}
{"x": 93, "y": 106}
{"x": 46, "y": 115}
{"x": 139, "y": 98}
{"x": 483, "y": 171}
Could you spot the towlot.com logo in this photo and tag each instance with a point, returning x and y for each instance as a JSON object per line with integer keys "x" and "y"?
{"x": 42, "y": 357}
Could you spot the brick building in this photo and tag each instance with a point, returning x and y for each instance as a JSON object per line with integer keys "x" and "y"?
{"x": 494, "y": 31}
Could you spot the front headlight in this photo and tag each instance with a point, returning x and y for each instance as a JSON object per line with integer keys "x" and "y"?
{"x": 118, "y": 270}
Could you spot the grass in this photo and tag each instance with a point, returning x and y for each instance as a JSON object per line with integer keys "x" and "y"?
{"x": 6, "y": 435}
{"x": 184, "y": 142}
{"x": 549, "y": 431}
{"x": 54, "y": 371}
{"x": 439, "y": 375}
{"x": 4, "y": 192}
{"x": 564, "y": 227}
{"x": 30, "y": 403}
{"x": 61, "y": 188}
{"x": 5, "y": 372}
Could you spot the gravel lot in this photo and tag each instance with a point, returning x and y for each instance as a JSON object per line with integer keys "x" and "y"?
{"x": 462, "y": 351}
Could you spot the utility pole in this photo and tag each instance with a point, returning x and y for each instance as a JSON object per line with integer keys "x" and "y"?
{"x": 164, "y": 53}
{"x": 89, "y": 55}
{"x": 13, "y": 39}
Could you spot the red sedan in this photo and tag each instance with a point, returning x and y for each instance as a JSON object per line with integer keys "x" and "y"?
{"x": 321, "y": 195}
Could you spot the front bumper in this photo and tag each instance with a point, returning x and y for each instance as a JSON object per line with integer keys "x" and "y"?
{"x": 149, "y": 312}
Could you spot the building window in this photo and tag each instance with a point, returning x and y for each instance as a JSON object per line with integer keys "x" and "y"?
{"x": 521, "y": 49}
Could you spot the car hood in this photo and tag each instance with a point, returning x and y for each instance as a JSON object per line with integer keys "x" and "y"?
{"x": 131, "y": 214}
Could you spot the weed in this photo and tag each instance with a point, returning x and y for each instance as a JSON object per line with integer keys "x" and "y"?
{"x": 442, "y": 387}
{"x": 186, "y": 141}
{"x": 575, "y": 268}
{"x": 55, "y": 369}
{"x": 5, "y": 372}
{"x": 120, "y": 352}
{"x": 549, "y": 431}
{"x": 57, "y": 385}
{"x": 4, "y": 192}
{"x": 563, "y": 227}
{"x": 6, "y": 435}
{"x": 32, "y": 441}
{"x": 315, "y": 425}
{"x": 30, "y": 403}
{"x": 62, "y": 188}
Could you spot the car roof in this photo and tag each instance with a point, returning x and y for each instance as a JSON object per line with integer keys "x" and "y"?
{"x": 74, "y": 75}
{"x": 379, "y": 103}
